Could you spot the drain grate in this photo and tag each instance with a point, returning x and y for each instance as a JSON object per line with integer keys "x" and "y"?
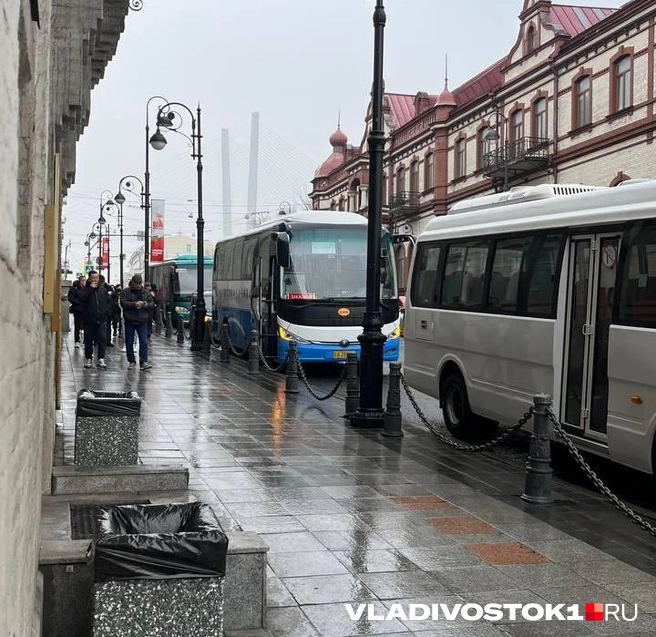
{"x": 84, "y": 518}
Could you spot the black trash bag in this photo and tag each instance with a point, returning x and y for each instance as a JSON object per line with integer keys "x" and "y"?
{"x": 107, "y": 403}
{"x": 159, "y": 541}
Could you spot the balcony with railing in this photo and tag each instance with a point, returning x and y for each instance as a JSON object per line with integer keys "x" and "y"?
{"x": 517, "y": 158}
{"x": 404, "y": 204}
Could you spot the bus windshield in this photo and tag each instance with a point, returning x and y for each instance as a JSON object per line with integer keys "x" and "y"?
{"x": 187, "y": 278}
{"x": 329, "y": 263}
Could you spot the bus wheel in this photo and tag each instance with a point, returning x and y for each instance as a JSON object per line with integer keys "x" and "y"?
{"x": 458, "y": 416}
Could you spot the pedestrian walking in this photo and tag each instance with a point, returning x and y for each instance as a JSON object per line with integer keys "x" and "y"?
{"x": 137, "y": 304}
{"x": 95, "y": 307}
{"x": 76, "y": 306}
{"x": 116, "y": 317}
{"x": 149, "y": 289}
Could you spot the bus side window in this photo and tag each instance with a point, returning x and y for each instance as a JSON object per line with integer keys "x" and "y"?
{"x": 424, "y": 288}
{"x": 638, "y": 286}
{"x": 472, "y": 285}
{"x": 506, "y": 268}
{"x": 540, "y": 275}
{"x": 453, "y": 275}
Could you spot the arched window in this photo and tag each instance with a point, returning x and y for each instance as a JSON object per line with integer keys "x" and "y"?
{"x": 400, "y": 181}
{"x": 530, "y": 39}
{"x": 429, "y": 172}
{"x": 517, "y": 125}
{"x": 414, "y": 176}
{"x": 583, "y": 102}
{"x": 540, "y": 118}
{"x": 460, "y": 168}
{"x": 484, "y": 145}
{"x": 622, "y": 83}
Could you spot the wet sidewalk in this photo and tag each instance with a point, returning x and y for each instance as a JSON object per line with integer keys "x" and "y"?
{"x": 351, "y": 517}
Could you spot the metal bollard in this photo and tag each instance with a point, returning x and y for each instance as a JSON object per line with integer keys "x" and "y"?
{"x": 253, "y": 356}
{"x": 537, "y": 484}
{"x": 291, "y": 381}
{"x": 352, "y": 384}
{"x": 169, "y": 324}
{"x": 392, "y": 425}
{"x": 225, "y": 343}
{"x": 158, "y": 322}
{"x": 180, "y": 332}
{"x": 207, "y": 338}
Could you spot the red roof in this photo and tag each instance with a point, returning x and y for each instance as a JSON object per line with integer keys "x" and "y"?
{"x": 575, "y": 20}
{"x": 485, "y": 82}
{"x": 402, "y": 108}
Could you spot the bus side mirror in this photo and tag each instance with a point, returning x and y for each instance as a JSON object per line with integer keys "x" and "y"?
{"x": 283, "y": 257}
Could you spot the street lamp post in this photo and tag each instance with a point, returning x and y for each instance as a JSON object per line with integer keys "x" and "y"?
{"x": 119, "y": 198}
{"x": 146, "y": 186}
{"x": 104, "y": 205}
{"x": 370, "y": 410}
{"x": 494, "y": 135}
{"x": 165, "y": 117}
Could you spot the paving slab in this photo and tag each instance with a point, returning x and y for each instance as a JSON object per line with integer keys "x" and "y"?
{"x": 352, "y": 517}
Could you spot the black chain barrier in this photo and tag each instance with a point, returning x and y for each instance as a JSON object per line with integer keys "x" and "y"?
{"x": 596, "y": 480}
{"x": 266, "y": 364}
{"x": 486, "y": 446}
{"x": 234, "y": 350}
{"x": 303, "y": 377}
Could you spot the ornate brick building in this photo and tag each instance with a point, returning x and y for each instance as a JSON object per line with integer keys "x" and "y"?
{"x": 572, "y": 102}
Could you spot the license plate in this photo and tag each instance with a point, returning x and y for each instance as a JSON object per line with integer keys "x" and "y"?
{"x": 340, "y": 354}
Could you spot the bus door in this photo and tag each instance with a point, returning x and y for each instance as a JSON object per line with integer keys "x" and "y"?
{"x": 591, "y": 287}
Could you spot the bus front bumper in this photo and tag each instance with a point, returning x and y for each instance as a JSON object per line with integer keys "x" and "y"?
{"x": 325, "y": 353}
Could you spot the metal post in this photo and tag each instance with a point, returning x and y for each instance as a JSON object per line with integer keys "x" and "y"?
{"x": 158, "y": 321}
{"x": 352, "y": 384}
{"x": 537, "y": 484}
{"x": 253, "y": 358}
{"x": 121, "y": 256}
{"x": 146, "y": 202}
{"x": 291, "y": 382}
{"x": 180, "y": 331}
{"x": 169, "y": 324}
{"x": 198, "y": 340}
{"x": 392, "y": 423}
{"x": 370, "y": 411}
{"x": 109, "y": 255}
{"x": 225, "y": 343}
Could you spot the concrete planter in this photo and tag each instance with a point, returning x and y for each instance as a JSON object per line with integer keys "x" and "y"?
{"x": 159, "y": 571}
{"x": 107, "y": 428}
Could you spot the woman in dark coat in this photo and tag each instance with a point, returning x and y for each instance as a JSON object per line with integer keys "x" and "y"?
{"x": 76, "y": 306}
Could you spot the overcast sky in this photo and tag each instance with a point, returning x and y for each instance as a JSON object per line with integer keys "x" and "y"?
{"x": 296, "y": 62}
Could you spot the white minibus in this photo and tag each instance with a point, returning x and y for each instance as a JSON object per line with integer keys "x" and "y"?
{"x": 549, "y": 288}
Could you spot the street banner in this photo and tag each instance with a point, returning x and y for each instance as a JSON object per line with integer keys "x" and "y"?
{"x": 104, "y": 252}
{"x": 157, "y": 231}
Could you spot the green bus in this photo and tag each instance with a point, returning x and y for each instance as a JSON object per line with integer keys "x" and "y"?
{"x": 176, "y": 281}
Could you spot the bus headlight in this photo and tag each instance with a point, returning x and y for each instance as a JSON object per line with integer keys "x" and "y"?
{"x": 396, "y": 333}
{"x": 181, "y": 310}
{"x": 288, "y": 336}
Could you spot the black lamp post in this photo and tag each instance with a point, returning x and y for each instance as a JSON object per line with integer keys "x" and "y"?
{"x": 146, "y": 188}
{"x": 119, "y": 198}
{"x": 92, "y": 235}
{"x": 493, "y": 135}
{"x": 166, "y": 117}
{"x": 104, "y": 205}
{"x": 370, "y": 410}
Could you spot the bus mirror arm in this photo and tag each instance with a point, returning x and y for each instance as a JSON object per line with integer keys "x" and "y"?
{"x": 283, "y": 257}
